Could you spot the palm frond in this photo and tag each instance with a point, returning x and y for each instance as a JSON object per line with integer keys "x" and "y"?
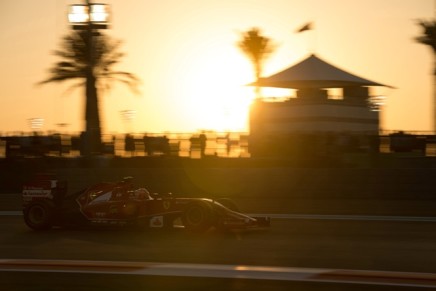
{"x": 73, "y": 63}
{"x": 128, "y": 79}
{"x": 257, "y": 48}
{"x": 74, "y": 87}
{"x": 428, "y": 36}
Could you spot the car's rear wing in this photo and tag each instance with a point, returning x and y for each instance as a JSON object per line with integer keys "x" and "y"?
{"x": 44, "y": 186}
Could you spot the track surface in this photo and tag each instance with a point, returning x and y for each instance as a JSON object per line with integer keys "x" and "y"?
{"x": 405, "y": 246}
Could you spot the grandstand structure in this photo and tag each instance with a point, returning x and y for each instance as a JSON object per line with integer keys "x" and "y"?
{"x": 332, "y": 108}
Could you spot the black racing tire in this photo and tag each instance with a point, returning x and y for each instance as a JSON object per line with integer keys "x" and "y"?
{"x": 39, "y": 215}
{"x": 198, "y": 217}
{"x": 228, "y": 203}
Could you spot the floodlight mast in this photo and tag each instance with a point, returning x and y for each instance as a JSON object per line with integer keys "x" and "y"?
{"x": 94, "y": 15}
{"x": 90, "y": 17}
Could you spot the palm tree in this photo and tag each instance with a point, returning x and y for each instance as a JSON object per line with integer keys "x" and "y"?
{"x": 429, "y": 38}
{"x": 257, "y": 47}
{"x": 89, "y": 61}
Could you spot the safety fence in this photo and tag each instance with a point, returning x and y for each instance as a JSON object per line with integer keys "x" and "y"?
{"x": 218, "y": 144}
{"x": 193, "y": 145}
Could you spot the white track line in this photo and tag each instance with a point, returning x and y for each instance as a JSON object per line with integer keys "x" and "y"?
{"x": 350, "y": 217}
{"x": 11, "y": 213}
{"x": 422, "y": 280}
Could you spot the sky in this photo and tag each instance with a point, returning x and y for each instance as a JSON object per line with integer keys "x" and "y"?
{"x": 193, "y": 74}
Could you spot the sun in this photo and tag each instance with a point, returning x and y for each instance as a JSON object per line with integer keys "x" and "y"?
{"x": 216, "y": 92}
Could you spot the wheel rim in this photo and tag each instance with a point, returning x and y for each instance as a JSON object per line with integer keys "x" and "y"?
{"x": 195, "y": 216}
{"x": 37, "y": 214}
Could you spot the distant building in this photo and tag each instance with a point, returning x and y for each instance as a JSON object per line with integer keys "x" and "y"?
{"x": 328, "y": 101}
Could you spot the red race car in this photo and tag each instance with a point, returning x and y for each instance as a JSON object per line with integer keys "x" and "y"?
{"x": 46, "y": 205}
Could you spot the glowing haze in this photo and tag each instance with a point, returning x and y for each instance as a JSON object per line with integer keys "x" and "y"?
{"x": 192, "y": 72}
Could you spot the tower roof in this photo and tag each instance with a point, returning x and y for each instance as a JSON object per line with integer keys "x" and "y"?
{"x": 314, "y": 72}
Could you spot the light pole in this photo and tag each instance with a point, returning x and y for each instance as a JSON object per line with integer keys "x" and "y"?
{"x": 36, "y": 123}
{"x": 128, "y": 116}
{"x": 90, "y": 17}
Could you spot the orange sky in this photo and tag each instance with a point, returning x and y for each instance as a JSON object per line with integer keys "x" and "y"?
{"x": 193, "y": 74}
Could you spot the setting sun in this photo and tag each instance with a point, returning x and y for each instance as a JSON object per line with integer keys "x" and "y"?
{"x": 214, "y": 86}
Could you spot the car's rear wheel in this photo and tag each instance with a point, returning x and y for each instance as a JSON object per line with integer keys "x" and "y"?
{"x": 198, "y": 217}
{"x": 39, "y": 215}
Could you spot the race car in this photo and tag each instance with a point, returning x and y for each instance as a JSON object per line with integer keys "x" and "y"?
{"x": 46, "y": 205}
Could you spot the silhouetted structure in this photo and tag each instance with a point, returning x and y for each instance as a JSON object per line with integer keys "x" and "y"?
{"x": 428, "y": 37}
{"x": 315, "y": 118}
{"x": 214, "y": 145}
{"x": 403, "y": 142}
{"x": 257, "y": 48}
{"x": 88, "y": 55}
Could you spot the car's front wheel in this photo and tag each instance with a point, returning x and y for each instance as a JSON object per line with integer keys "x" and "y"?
{"x": 198, "y": 217}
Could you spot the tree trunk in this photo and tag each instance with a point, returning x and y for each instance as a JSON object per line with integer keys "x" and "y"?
{"x": 92, "y": 142}
{"x": 433, "y": 101}
{"x": 257, "y": 70}
{"x": 433, "y": 46}
{"x": 92, "y": 137}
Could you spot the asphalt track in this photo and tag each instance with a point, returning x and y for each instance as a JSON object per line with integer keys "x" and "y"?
{"x": 231, "y": 272}
{"x": 406, "y": 246}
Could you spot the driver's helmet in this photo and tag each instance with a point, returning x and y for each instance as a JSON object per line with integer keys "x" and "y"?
{"x": 126, "y": 181}
{"x": 141, "y": 193}
{"x": 126, "y": 184}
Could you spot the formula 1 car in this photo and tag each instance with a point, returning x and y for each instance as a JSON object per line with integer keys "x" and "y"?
{"x": 46, "y": 205}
